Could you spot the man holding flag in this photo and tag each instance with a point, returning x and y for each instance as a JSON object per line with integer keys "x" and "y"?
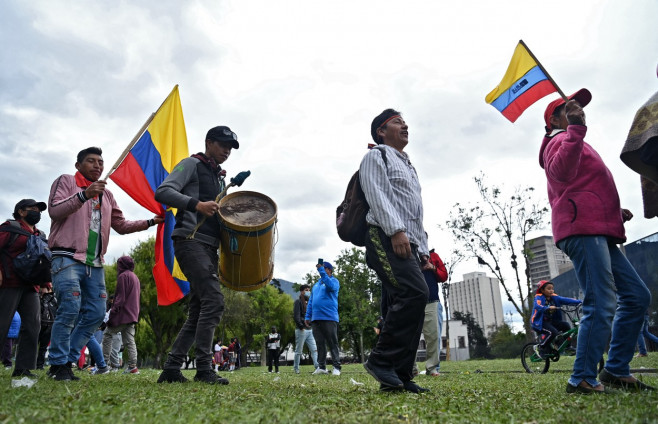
{"x": 82, "y": 211}
{"x": 588, "y": 223}
{"x": 192, "y": 188}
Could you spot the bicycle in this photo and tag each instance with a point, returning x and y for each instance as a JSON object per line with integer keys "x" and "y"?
{"x": 561, "y": 346}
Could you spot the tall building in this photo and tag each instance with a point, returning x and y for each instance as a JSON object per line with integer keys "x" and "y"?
{"x": 546, "y": 261}
{"x": 479, "y": 295}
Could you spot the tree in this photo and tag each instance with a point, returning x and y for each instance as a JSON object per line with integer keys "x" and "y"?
{"x": 497, "y": 228}
{"x": 455, "y": 258}
{"x": 158, "y": 325}
{"x": 477, "y": 342}
{"x": 250, "y": 315}
{"x": 359, "y": 300}
{"x": 505, "y": 344}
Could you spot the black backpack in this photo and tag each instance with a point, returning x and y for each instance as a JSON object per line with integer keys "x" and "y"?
{"x": 351, "y": 213}
{"x": 32, "y": 265}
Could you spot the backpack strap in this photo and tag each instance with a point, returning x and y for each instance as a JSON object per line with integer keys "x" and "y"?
{"x": 383, "y": 153}
{"x": 15, "y": 229}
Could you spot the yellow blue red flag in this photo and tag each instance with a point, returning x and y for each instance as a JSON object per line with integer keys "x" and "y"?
{"x": 523, "y": 84}
{"x": 151, "y": 159}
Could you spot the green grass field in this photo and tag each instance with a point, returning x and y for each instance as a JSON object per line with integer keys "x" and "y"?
{"x": 466, "y": 392}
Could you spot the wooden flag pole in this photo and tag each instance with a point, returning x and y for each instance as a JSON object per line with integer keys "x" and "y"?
{"x": 136, "y": 138}
{"x": 559, "y": 90}
{"x": 130, "y": 146}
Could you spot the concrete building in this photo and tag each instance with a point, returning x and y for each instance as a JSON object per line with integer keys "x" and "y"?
{"x": 458, "y": 342}
{"x": 479, "y": 295}
{"x": 546, "y": 261}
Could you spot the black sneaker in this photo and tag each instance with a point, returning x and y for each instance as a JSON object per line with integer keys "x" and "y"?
{"x": 616, "y": 382}
{"x": 389, "y": 389}
{"x": 22, "y": 373}
{"x": 172, "y": 376}
{"x": 52, "y": 370}
{"x": 412, "y": 387}
{"x": 62, "y": 373}
{"x": 209, "y": 377}
{"x": 383, "y": 376}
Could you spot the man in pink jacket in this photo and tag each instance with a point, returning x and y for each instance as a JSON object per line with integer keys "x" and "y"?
{"x": 588, "y": 223}
{"x": 82, "y": 211}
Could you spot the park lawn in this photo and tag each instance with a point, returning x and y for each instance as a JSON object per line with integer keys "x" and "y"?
{"x": 466, "y": 392}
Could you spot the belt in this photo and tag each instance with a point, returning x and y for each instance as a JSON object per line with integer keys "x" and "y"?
{"x": 433, "y": 301}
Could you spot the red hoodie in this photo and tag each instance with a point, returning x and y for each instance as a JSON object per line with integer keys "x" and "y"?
{"x": 581, "y": 190}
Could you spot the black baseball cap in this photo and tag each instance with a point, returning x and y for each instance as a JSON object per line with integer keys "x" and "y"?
{"x": 26, "y": 203}
{"x": 223, "y": 133}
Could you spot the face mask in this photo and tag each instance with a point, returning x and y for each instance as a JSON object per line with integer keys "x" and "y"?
{"x": 33, "y": 217}
{"x": 307, "y": 294}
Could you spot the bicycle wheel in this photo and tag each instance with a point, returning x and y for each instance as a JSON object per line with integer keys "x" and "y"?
{"x": 532, "y": 363}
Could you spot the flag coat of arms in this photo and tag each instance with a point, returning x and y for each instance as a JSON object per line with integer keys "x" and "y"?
{"x": 524, "y": 83}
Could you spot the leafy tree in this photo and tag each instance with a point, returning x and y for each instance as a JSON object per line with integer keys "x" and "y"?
{"x": 158, "y": 325}
{"x": 237, "y": 306}
{"x": 477, "y": 342}
{"x": 250, "y": 315}
{"x": 358, "y": 300}
{"x": 504, "y": 343}
{"x": 496, "y": 227}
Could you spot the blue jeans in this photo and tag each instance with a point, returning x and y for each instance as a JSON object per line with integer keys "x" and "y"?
{"x": 641, "y": 344}
{"x": 96, "y": 352}
{"x": 301, "y": 337}
{"x": 81, "y": 296}
{"x": 615, "y": 298}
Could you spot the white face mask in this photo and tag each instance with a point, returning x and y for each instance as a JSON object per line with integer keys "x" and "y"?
{"x": 307, "y": 294}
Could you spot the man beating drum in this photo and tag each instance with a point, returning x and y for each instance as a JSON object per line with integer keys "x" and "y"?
{"x": 192, "y": 188}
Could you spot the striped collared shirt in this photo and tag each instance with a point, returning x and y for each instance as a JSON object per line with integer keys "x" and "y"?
{"x": 393, "y": 193}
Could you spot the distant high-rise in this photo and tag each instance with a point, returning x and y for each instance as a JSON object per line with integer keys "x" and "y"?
{"x": 546, "y": 261}
{"x": 479, "y": 295}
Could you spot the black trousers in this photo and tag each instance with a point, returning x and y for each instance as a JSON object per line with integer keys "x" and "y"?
{"x": 198, "y": 261}
{"x": 25, "y": 300}
{"x": 325, "y": 334}
{"x": 273, "y": 359}
{"x": 44, "y": 339}
{"x": 551, "y": 329}
{"x": 406, "y": 293}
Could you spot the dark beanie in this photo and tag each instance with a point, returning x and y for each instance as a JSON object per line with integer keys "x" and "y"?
{"x": 379, "y": 121}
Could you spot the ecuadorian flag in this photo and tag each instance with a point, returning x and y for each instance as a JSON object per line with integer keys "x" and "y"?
{"x": 159, "y": 149}
{"x": 523, "y": 84}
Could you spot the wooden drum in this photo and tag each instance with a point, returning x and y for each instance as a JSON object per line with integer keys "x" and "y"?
{"x": 246, "y": 251}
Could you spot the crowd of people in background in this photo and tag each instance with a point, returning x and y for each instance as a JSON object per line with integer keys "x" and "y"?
{"x": 66, "y": 316}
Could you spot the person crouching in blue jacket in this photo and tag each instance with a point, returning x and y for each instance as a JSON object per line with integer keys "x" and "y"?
{"x": 546, "y": 318}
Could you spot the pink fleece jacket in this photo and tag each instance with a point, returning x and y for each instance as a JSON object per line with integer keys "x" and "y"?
{"x": 581, "y": 190}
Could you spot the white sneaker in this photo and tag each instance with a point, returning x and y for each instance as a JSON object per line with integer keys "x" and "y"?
{"x": 320, "y": 371}
{"x": 335, "y": 371}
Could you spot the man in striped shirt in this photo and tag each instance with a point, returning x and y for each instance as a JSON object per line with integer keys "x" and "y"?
{"x": 396, "y": 249}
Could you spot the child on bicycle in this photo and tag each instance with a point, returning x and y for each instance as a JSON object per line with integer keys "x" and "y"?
{"x": 546, "y": 318}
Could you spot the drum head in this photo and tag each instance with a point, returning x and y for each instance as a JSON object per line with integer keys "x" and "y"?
{"x": 247, "y": 209}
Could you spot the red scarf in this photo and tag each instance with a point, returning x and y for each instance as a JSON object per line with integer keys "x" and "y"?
{"x": 81, "y": 180}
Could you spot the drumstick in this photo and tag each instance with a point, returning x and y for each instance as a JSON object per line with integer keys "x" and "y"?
{"x": 235, "y": 181}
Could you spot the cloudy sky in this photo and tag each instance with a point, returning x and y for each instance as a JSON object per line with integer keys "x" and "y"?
{"x": 300, "y": 81}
